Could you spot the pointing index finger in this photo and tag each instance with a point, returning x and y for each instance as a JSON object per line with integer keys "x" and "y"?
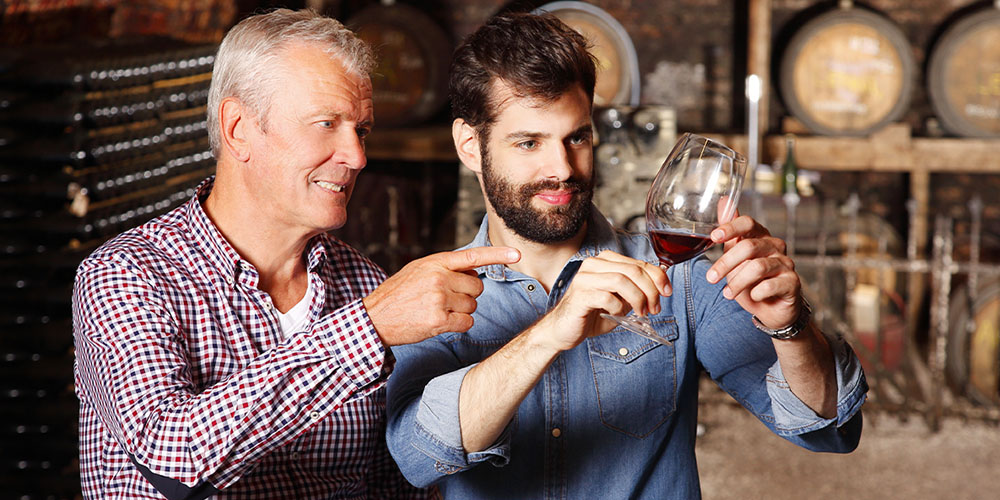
{"x": 471, "y": 258}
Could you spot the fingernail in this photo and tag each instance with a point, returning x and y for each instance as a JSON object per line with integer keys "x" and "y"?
{"x": 727, "y": 293}
{"x": 513, "y": 255}
{"x": 712, "y": 276}
{"x": 717, "y": 235}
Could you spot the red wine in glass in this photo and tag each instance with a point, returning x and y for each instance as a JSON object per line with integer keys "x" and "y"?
{"x": 674, "y": 247}
{"x": 696, "y": 188}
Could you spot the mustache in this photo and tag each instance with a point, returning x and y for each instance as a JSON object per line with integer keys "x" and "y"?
{"x": 574, "y": 184}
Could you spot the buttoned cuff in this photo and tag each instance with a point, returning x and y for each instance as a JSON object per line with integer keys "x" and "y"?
{"x": 355, "y": 345}
{"x": 793, "y": 417}
{"x": 439, "y": 427}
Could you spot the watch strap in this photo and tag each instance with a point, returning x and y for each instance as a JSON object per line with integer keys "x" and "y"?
{"x": 790, "y": 331}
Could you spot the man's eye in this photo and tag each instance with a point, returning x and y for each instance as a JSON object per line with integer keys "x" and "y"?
{"x": 580, "y": 139}
{"x": 528, "y": 145}
{"x": 363, "y": 132}
{"x": 326, "y": 124}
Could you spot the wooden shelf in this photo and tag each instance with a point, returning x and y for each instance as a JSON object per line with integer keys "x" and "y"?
{"x": 890, "y": 150}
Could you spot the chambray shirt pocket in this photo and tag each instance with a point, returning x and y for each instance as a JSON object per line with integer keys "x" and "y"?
{"x": 635, "y": 378}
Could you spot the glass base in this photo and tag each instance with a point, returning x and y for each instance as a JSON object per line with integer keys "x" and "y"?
{"x": 638, "y": 325}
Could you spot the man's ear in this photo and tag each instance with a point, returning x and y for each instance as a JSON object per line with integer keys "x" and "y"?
{"x": 234, "y": 122}
{"x": 467, "y": 145}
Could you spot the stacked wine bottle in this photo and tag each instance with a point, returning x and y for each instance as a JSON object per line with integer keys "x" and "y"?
{"x": 94, "y": 139}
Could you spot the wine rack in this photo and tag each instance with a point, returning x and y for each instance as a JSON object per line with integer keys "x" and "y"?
{"x": 95, "y": 138}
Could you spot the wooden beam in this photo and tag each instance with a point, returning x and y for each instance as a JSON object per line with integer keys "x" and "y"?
{"x": 759, "y": 54}
{"x": 958, "y": 155}
{"x": 888, "y": 150}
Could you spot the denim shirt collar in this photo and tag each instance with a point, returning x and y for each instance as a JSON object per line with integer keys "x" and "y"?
{"x": 601, "y": 235}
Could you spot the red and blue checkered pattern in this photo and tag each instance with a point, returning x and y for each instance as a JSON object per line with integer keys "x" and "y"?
{"x": 181, "y": 367}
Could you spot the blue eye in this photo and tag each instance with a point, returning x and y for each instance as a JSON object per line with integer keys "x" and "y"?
{"x": 528, "y": 145}
{"x": 326, "y": 124}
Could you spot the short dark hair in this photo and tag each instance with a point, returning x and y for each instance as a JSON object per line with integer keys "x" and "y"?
{"x": 538, "y": 56}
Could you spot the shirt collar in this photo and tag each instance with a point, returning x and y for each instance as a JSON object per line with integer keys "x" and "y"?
{"x": 315, "y": 254}
{"x": 218, "y": 250}
{"x": 601, "y": 235}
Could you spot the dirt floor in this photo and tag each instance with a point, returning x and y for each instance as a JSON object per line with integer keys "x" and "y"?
{"x": 739, "y": 458}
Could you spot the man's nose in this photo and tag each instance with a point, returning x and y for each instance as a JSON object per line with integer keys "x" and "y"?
{"x": 350, "y": 151}
{"x": 558, "y": 164}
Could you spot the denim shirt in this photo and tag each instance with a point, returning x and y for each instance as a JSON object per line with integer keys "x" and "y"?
{"x": 614, "y": 417}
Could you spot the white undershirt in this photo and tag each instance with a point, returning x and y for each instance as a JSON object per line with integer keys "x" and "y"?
{"x": 297, "y": 318}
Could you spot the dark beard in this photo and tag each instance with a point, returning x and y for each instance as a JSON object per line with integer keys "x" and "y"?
{"x": 513, "y": 206}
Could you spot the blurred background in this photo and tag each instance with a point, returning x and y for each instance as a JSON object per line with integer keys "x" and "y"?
{"x": 872, "y": 129}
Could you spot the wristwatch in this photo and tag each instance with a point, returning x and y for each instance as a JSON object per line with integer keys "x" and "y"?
{"x": 791, "y": 330}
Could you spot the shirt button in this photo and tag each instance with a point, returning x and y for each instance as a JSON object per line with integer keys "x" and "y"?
{"x": 229, "y": 280}
{"x": 559, "y": 284}
{"x": 556, "y": 432}
{"x": 531, "y": 288}
{"x": 295, "y": 455}
{"x": 314, "y": 415}
{"x": 623, "y": 351}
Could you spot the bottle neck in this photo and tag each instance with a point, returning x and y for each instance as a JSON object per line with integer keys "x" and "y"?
{"x": 789, "y": 171}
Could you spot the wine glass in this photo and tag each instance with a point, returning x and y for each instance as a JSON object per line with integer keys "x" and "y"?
{"x": 696, "y": 189}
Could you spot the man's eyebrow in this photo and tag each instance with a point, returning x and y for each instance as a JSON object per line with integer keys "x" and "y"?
{"x": 334, "y": 112}
{"x": 339, "y": 116}
{"x": 326, "y": 114}
{"x": 525, "y": 134}
{"x": 528, "y": 134}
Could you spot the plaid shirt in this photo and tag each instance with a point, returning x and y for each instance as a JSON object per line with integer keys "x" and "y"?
{"x": 185, "y": 382}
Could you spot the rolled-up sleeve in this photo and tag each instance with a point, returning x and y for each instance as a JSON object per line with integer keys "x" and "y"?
{"x": 793, "y": 417}
{"x": 743, "y": 362}
{"x": 424, "y": 430}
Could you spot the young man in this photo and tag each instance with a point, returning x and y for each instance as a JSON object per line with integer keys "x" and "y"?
{"x": 542, "y": 398}
{"x": 231, "y": 347}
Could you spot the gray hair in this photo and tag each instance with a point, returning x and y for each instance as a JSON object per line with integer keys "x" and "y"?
{"x": 246, "y": 61}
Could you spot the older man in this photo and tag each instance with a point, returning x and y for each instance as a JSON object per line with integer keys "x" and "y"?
{"x": 231, "y": 347}
{"x": 542, "y": 398}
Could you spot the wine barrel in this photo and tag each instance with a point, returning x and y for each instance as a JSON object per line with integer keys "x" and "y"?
{"x": 617, "y": 63}
{"x": 411, "y": 81}
{"x": 847, "y": 72}
{"x": 972, "y": 365}
{"x": 963, "y": 76}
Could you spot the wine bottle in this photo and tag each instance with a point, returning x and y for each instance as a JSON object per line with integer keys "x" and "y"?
{"x": 789, "y": 170}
